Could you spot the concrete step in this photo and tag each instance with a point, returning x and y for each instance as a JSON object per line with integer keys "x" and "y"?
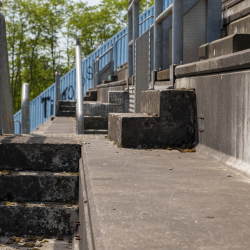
{"x": 39, "y": 153}
{"x": 49, "y": 219}
{"x": 90, "y": 96}
{"x": 67, "y": 108}
{"x": 96, "y": 131}
{"x": 102, "y": 109}
{"x": 96, "y": 122}
{"x": 228, "y": 45}
{"x": 162, "y": 85}
{"x": 27, "y": 186}
{"x": 168, "y": 113}
{"x": 67, "y": 113}
{"x": 163, "y": 75}
{"x": 67, "y": 103}
{"x": 112, "y": 78}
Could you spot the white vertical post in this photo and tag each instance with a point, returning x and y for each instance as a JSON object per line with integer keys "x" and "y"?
{"x": 79, "y": 90}
{"x": 177, "y": 47}
{"x": 25, "y": 106}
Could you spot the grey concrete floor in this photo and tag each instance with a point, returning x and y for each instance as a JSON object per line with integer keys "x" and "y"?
{"x": 161, "y": 199}
{"x": 59, "y": 125}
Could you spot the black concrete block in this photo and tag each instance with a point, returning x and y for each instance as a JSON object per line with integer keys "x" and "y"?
{"x": 173, "y": 125}
{"x": 39, "y": 187}
{"x": 39, "y": 157}
{"x": 95, "y": 122}
{"x": 38, "y": 219}
{"x": 225, "y": 46}
{"x": 67, "y": 103}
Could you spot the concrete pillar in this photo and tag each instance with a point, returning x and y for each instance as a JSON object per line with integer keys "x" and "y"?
{"x": 58, "y": 91}
{"x": 25, "y": 106}
{"x": 177, "y": 35}
{"x": 214, "y": 10}
{"x": 130, "y": 49}
{"x": 158, "y": 8}
{"x": 135, "y": 29}
{"x": 79, "y": 90}
{"x": 6, "y": 104}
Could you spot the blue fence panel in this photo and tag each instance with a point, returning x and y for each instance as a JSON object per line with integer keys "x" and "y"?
{"x": 40, "y": 112}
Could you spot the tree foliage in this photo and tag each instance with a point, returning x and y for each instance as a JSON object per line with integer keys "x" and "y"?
{"x": 41, "y": 37}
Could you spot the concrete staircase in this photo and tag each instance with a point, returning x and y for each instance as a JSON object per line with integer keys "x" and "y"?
{"x": 91, "y": 95}
{"x": 167, "y": 119}
{"x": 39, "y": 186}
{"x": 67, "y": 109}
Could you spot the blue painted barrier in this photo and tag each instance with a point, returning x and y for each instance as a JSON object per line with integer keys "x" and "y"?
{"x": 43, "y": 106}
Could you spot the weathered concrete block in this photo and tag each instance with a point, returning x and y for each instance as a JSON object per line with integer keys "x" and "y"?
{"x": 95, "y": 122}
{"x": 38, "y": 219}
{"x": 169, "y": 120}
{"x": 35, "y": 187}
{"x": 163, "y": 75}
{"x": 38, "y": 157}
{"x": 225, "y": 46}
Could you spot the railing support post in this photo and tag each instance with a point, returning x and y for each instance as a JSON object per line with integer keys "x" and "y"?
{"x": 158, "y": 8}
{"x": 97, "y": 70}
{"x": 79, "y": 90}
{"x": 111, "y": 60}
{"x": 214, "y": 10}
{"x": 177, "y": 47}
{"x": 135, "y": 29}
{"x": 130, "y": 49}
{"x": 25, "y": 105}
{"x": 58, "y": 91}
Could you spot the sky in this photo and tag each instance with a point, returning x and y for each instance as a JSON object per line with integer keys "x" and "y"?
{"x": 90, "y": 2}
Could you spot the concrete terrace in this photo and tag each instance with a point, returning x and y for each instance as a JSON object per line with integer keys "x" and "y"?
{"x": 155, "y": 198}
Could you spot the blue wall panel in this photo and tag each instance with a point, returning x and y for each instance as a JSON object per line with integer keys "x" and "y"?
{"x": 68, "y": 81}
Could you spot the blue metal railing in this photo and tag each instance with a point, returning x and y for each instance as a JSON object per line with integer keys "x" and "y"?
{"x": 43, "y": 106}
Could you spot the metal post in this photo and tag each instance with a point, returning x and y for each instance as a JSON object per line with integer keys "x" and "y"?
{"x": 25, "y": 106}
{"x": 177, "y": 47}
{"x": 111, "y": 60}
{"x": 79, "y": 90}
{"x": 135, "y": 29}
{"x": 158, "y": 8}
{"x": 58, "y": 91}
{"x": 130, "y": 49}
{"x": 94, "y": 83}
{"x": 97, "y": 70}
{"x": 214, "y": 10}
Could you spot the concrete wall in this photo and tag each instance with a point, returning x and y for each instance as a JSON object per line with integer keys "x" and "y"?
{"x": 103, "y": 89}
{"x": 223, "y": 100}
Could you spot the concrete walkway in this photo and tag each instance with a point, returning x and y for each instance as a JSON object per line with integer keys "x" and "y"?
{"x": 59, "y": 126}
{"x": 160, "y": 199}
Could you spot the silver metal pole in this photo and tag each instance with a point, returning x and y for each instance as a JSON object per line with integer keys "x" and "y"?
{"x": 130, "y": 49}
{"x": 25, "y": 106}
{"x": 177, "y": 47}
{"x": 58, "y": 91}
{"x": 135, "y": 29}
{"x": 158, "y": 8}
{"x": 94, "y": 81}
{"x": 164, "y": 15}
{"x": 79, "y": 90}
